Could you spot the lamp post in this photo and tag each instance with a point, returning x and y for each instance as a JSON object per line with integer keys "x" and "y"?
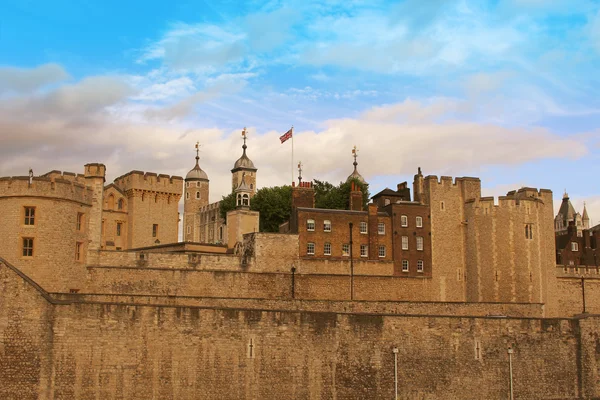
{"x": 351, "y": 265}
{"x": 395, "y": 351}
{"x": 510, "y": 373}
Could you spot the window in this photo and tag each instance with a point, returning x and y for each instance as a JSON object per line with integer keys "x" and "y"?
{"x": 420, "y": 243}
{"x": 419, "y": 222}
{"x": 79, "y": 221}
{"x": 78, "y": 247}
{"x": 310, "y": 225}
{"x": 310, "y": 249}
{"x": 327, "y": 226}
{"x": 381, "y": 251}
{"x": 442, "y": 206}
{"x": 404, "y": 221}
{"x": 188, "y": 229}
{"x": 345, "y": 249}
{"x": 220, "y": 233}
{"x": 27, "y": 247}
{"x": 29, "y": 215}
{"x": 119, "y": 229}
{"x": 381, "y": 228}
{"x": 197, "y": 184}
{"x": 420, "y": 266}
{"x": 154, "y": 230}
{"x": 404, "y": 265}
{"x": 364, "y": 250}
{"x": 574, "y": 246}
{"x": 363, "y": 227}
{"x": 187, "y": 196}
{"x": 404, "y": 242}
{"x": 187, "y": 184}
{"x": 156, "y": 198}
{"x": 528, "y": 231}
{"x": 327, "y": 249}
{"x": 120, "y": 204}
{"x": 197, "y": 195}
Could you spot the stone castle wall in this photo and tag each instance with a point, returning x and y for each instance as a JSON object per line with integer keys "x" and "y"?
{"x": 506, "y": 257}
{"x": 90, "y": 350}
{"x": 57, "y": 203}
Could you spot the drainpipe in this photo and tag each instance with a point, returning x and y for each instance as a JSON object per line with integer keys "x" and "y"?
{"x": 351, "y": 265}
{"x": 395, "y": 351}
{"x": 510, "y": 372}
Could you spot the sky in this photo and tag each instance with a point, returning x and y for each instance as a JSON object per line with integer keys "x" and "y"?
{"x": 506, "y": 91}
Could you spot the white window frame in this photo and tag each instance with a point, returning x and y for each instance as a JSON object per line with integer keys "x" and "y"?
{"x": 381, "y": 251}
{"x": 327, "y": 226}
{"x": 404, "y": 242}
{"x": 574, "y": 246}
{"x": 198, "y": 195}
{"x": 420, "y": 266}
{"x": 346, "y": 249}
{"x": 310, "y": 248}
{"x": 420, "y": 243}
{"x": 404, "y": 221}
{"x": 419, "y": 221}
{"x": 364, "y": 250}
{"x": 381, "y": 228}
{"x": 405, "y": 265}
{"x": 310, "y": 225}
{"x": 327, "y": 249}
{"x": 363, "y": 227}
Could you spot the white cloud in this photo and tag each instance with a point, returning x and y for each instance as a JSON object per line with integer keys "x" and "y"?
{"x": 22, "y": 80}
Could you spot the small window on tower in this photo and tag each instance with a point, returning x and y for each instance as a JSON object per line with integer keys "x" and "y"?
{"x": 187, "y": 196}
{"x": 154, "y": 230}
{"x": 251, "y": 186}
{"x": 27, "y": 247}
{"x": 29, "y": 215}
{"x": 197, "y": 184}
{"x": 197, "y": 195}
{"x": 120, "y": 204}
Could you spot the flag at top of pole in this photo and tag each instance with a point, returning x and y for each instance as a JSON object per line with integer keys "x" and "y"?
{"x": 286, "y": 135}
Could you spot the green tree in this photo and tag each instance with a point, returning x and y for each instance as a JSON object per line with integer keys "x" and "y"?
{"x": 338, "y": 197}
{"x": 227, "y": 204}
{"x": 274, "y": 205}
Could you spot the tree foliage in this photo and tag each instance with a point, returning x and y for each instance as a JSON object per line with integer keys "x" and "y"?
{"x": 338, "y": 197}
{"x": 274, "y": 205}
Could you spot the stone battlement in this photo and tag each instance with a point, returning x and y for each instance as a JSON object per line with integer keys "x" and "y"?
{"x": 150, "y": 181}
{"x": 69, "y": 176}
{"x": 49, "y": 187}
{"x": 447, "y": 180}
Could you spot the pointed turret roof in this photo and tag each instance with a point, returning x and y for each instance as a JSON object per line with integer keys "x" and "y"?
{"x": 244, "y": 162}
{"x": 585, "y": 216}
{"x": 355, "y": 174}
{"x": 242, "y": 187}
{"x": 196, "y": 173}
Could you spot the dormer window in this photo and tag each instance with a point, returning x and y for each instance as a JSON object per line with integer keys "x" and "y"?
{"x": 574, "y": 246}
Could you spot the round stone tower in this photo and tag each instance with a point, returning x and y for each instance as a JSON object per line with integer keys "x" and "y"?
{"x": 195, "y": 197}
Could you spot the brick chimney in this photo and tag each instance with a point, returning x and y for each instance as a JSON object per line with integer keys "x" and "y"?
{"x": 356, "y": 198}
{"x": 303, "y": 195}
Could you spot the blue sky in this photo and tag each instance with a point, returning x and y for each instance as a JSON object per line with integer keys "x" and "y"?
{"x": 503, "y": 90}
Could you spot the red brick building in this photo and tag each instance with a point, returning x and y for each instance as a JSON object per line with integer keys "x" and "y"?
{"x": 392, "y": 229}
{"x": 578, "y": 247}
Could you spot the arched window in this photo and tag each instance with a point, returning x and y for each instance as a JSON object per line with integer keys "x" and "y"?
{"x": 198, "y": 195}
{"x": 120, "y": 204}
{"x": 239, "y": 199}
{"x": 246, "y": 200}
{"x": 111, "y": 202}
{"x": 251, "y": 186}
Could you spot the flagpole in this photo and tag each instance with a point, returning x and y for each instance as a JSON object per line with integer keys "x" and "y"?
{"x": 292, "y": 155}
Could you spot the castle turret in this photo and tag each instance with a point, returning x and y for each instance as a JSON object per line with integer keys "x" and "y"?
{"x": 244, "y": 169}
{"x": 585, "y": 218}
{"x": 94, "y": 178}
{"x": 355, "y": 174}
{"x": 196, "y": 196}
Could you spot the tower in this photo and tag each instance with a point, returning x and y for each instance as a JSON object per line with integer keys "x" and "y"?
{"x": 196, "y": 196}
{"x": 355, "y": 174}
{"x": 585, "y": 218}
{"x": 244, "y": 170}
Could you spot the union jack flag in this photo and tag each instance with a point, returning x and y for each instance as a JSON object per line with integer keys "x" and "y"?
{"x": 286, "y": 135}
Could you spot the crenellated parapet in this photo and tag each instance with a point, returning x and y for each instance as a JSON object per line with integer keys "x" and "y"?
{"x": 53, "y": 186}
{"x": 138, "y": 181}
{"x": 68, "y": 176}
